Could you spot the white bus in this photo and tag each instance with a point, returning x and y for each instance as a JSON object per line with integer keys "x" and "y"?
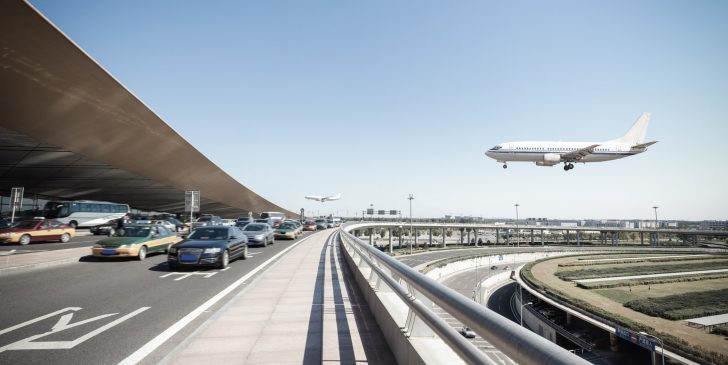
{"x": 275, "y": 217}
{"x": 84, "y": 213}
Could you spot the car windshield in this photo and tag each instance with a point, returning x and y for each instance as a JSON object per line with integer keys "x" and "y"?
{"x": 287, "y": 226}
{"x": 203, "y": 219}
{"x": 320, "y": 221}
{"x": 254, "y": 227}
{"x": 132, "y": 231}
{"x": 26, "y": 224}
{"x": 209, "y": 234}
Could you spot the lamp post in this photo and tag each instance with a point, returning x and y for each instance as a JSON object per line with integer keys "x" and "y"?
{"x": 662, "y": 344}
{"x": 518, "y": 239}
{"x": 411, "y": 197}
{"x": 657, "y": 238}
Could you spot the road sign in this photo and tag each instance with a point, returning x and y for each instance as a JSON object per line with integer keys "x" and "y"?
{"x": 16, "y": 197}
{"x": 393, "y": 212}
{"x": 381, "y": 212}
{"x": 192, "y": 201}
{"x": 635, "y": 338}
{"x": 370, "y": 211}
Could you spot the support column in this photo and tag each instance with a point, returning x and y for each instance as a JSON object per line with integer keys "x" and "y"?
{"x": 568, "y": 240}
{"x": 461, "y": 236}
{"x": 543, "y": 242}
{"x": 695, "y": 240}
{"x": 578, "y": 238}
{"x": 444, "y": 237}
{"x": 430, "y": 232}
{"x": 389, "y": 233}
{"x": 531, "y": 236}
{"x": 642, "y": 238}
{"x": 613, "y": 342}
{"x": 497, "y": 236}
{"x": 475, "y": 231}
{"x": 468, "y": 237}
{"x": 371, "y": 236}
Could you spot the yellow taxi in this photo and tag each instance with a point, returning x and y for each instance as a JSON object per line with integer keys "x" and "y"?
{"x": 35, "y": 230}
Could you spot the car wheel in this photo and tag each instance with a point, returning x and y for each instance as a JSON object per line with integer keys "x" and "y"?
{"x": 65, "y": 237}
{"x": 142, "y": 253}
{"x": 225, "y": 261}
{"x": 24, "y": 239}
{"x": 73, "y": 224}
{"x": 245, "y": 253}
{"x": 111, "y": 231}
{"x": 166, "y": 250}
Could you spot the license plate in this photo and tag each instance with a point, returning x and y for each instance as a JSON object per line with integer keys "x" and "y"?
{"x": 108, "y": 252}
{"x": 188, "y": 258}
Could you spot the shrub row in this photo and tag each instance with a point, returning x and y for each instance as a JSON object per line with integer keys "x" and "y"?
{"x": 571, "y": 264}
{"x": 682, "y": 306}
{"x": 649, "y": 281}
{"x": 640, "y": 270}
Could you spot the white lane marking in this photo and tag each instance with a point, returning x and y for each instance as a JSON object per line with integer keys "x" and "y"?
{"x": 13, "y": 328}
{"x": 185, "y": 275}
{"x": 7, "y": 253}
{"x": 63, "y": 324}
{"x": 152, "y": 345}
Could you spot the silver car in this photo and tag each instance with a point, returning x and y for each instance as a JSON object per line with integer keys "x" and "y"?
{"x": 260, "y": 234}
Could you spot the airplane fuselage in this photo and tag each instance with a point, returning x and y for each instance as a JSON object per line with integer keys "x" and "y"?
{"x": 547, "y": 153}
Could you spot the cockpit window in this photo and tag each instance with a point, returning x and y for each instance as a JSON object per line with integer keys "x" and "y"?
{"x": 495, "y": 148}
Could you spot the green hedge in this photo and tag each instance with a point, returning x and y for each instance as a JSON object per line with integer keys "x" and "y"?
{"x": 571, "y": 264}
{"x": 650, "y": 281}
{"x": 640, "y": 270}
{"x": 683, "y": 306}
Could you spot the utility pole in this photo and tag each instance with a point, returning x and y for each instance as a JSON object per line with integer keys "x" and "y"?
{"x": 411, "y": 197}
{"x": 518, "y": 239}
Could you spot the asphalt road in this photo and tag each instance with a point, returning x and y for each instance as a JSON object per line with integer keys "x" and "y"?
{"x": 100, "y": 312}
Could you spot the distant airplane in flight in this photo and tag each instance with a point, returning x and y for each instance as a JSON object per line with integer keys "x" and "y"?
{"x": 549, "y": 153}
{"x": 323, "y": 198}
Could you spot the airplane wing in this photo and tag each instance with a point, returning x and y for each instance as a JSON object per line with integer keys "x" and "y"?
{"x": 333, "y": 197}
{"x": 314, "y": 197}
{"x": 578, "y": 154}
{"x": 644, "y": 145}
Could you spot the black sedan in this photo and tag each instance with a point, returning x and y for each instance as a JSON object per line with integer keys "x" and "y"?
{"x": 209, "y": 246}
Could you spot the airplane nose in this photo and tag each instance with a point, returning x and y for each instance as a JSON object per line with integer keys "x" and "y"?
{"x": 489, "y": 154}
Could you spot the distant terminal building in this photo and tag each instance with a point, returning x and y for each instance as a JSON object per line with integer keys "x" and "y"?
{"x": 714, "y": 225}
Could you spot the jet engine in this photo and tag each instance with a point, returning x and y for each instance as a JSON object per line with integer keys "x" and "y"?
{"x": 549, "y": 159}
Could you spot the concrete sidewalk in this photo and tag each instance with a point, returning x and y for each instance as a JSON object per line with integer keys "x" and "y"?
{"x": 14, "y": 262}
{"x": 304, "y": 309}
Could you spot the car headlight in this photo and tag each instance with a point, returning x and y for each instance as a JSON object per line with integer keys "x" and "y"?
{"x": 213, "y": 250}
{"x": 259, "y": 237}
{"x": 173, "y": 250}
{"x": 98, "y": 246}
{"x": 124, "y": 246}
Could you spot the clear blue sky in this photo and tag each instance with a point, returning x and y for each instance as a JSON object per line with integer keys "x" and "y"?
{"x": 379, "y": 99}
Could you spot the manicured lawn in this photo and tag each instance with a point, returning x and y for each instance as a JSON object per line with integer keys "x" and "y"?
{"x": 641, "y": 269}
{"x": 683, "y": 306}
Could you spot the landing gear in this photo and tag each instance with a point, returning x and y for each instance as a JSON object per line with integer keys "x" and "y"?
{"x": 505, "y": 166}
{"x": 568, "y": 166}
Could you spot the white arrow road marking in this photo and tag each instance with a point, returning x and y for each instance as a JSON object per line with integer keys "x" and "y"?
{"x": 28, "y": 323}
{"x": 63, "y": 324}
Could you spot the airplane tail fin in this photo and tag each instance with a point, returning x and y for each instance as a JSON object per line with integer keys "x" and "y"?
{"x": 636, "y": 134}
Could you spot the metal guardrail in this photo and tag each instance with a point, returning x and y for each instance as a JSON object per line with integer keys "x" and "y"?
{"x": 520, "y": 344}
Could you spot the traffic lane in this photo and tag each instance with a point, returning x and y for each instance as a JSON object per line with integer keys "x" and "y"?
{"x": 500, "y": 301}
{"x": 146, "y": 293}
{"x": 75, "y": 242}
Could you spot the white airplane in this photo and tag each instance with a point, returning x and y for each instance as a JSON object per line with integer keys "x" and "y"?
{"x": 549, "y": 153}
{"x": 323, "y": 198}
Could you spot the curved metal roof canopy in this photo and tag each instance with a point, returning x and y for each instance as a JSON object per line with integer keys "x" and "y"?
{"x": 69, "y": 130}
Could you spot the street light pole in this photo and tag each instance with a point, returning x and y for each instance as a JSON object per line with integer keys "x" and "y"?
{"x": 411, "y": 197}
{"x": 662, "y": 344}
{"x": 657, "y": 238}
{"x": 518, "y": 239}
